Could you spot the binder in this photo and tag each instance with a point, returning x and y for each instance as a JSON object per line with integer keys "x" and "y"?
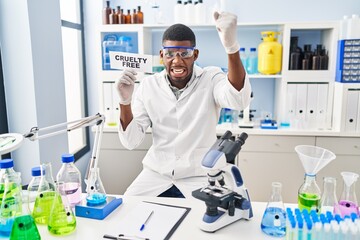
{"x": 301, "y": 99}
{"x": 322, "y": 104}
{"x": 351, "y": 110}
{"x": 291, "y": 104}
{"x": 311, "y": 105}
{"x": 358, "y": 114}
{"x": 108, "y": 101}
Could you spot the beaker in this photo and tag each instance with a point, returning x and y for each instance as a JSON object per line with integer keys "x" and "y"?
{"x": 95, "y": 190}
{"x": 45, "y": 197}
{"x": 309, "y": 194}
{"x": 274, "y": 219}
{"x": 348, "y": 202}
{"x": 62, "y": 220}
{"x": 329, "y": 201}
{"x": 11, "y": 205}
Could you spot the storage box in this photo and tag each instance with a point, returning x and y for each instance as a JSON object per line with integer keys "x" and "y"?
{"x": 348, "y": 61}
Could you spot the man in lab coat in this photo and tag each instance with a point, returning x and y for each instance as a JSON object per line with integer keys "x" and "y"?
{"x": 182, "y": 105}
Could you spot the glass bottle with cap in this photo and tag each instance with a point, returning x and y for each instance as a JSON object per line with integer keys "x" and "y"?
{"x": 6, "y": 168}
{"x": 70, "y": 175}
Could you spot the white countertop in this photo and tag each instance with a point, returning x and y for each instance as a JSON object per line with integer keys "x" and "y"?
{"x": 91, "y": 229}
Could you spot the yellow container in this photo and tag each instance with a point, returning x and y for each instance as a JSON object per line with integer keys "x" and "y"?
{"x": 269, "y": 54}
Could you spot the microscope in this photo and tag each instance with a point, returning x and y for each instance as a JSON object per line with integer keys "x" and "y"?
{"x": 226, "y": 198}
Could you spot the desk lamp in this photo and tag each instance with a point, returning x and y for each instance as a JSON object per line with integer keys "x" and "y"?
{"x": 96, "y": 205}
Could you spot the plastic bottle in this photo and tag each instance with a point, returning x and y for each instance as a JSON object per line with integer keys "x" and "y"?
{"x": 343, "y": 27}
{"x": 324, "y": 60}
{"x": 316, "y": 58}
{"x": 71, "y": 176}
{"x": 353, "y": 27}
{"x": 178, "y": 12}
{"x": 243, "y": 57}
{"x": 269, "y": 55}
{"x": 140, "y": 15}
{"x": 329, "y": 202}
{"x": 295, "y": 54}
{"x": 200, "y": 12}
{"x": 252, "y": 62}
{"x": 189, "y": 12}
{"x": 105, "y": 13}
{"x": 307, "y": 60}
{"x": 274, "y": 219}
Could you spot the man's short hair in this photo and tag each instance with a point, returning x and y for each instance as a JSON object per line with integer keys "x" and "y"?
{"x": 179, "y": 32}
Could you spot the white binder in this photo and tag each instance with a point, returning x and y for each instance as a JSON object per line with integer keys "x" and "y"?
{"x": 301, "y": 100}
{"x": 351, "y": 110}
{"x": 322, "y": 104}
{"x": 311, "y": 105}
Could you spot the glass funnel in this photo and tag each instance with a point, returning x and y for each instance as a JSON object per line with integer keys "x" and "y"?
{"x": 348, "y": 202}
{"x": 313, "y": 160}
{"x": 274, "y": 219}
{"x": 62, "y": 220}
{"x": 329, "y": 202}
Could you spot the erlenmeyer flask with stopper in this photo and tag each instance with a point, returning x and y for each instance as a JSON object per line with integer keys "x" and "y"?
{"x": 11, "y": 204}
{"x": 313, "y": 160}
{"x": 329, "y": 201}
{"x": 274, "y": 219}
{"x": 62, "y": 220}
{"x": 24, "y": 227}
{"x": 348, "y": 202}
{"x": 45, "y": 196}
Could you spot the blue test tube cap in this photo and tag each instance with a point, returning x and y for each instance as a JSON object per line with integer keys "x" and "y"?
{"x": 7, "y": 163}
{"x": 309, "y": 224}
{"x": 292, "y": 222}
{"x": 323, "y": 218}
{"x": 354, "y": 216}
{"x": 289, "y": 212}
{"x": 36, "y": 171}
{"x": 297, "y": 212}
{"x": 314, "y": 216}
{"x": 329, "y": 216}
{"x": 67, "y": 158}
{"x": 338, "y": 218}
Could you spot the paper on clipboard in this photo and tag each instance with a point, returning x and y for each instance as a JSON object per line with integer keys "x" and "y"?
{"x": 163, "y": 223}
{"x": 138, "y": 62}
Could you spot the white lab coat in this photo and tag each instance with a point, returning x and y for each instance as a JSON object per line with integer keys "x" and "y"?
{"x": 183, "y": 130}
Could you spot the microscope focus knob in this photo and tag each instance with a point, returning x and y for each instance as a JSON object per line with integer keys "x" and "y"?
{"x": 243, "y": 204}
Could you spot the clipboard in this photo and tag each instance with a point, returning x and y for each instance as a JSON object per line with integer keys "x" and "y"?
{"x": 162, "y": 225}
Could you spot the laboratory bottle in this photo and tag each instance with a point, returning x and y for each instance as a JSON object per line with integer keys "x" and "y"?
{"x": 329, "y": 202}
{"x": 348, "y": 201}
{"x": 70, "y": 175}
{"x": 252, "y": 62}
{"x": 200, "y": 12}
{"x": 113, "y": 17}
{"x": 121, "y": 16}
{"x": 106, "y": 13}
{"x": 307, "y": 60}
{"x": 309, "y": 194}
{"x": 134, "y": 17}
{"x": 189, "y": 12}
{"x": 274, "y": 219}
{"x": 295, "y": 54}
{"x": 243, "y": 57}
{"x": 128, "y": 17}
{"x": 316, "y": 58}
{"x": 324, "y": 60}
{"x": 6, "y": 168}
{"x": 62, "y": 220}
{"x": 45, "y": 197}
{"x": 140, "y": 15}
{"x": 118, "y": 14}
{"x": 178, "y": 12}
{"x": 36, "y": 185}
{"x": 11, "y": 205}
{"x": 269, "y": 53}
{"x": 353, "y": 27}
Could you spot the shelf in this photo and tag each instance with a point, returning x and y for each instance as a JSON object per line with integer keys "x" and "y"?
{"x": 252, "y": 76}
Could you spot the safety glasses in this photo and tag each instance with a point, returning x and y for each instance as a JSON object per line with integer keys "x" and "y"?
{"x": 183, "y": 52}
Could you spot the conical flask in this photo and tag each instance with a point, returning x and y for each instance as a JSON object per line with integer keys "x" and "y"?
{"x": 62, "y": 220}
{"x": 348, "y": 202}
{"x": 313, "y": 160}
{"x": 24, "y": 227}
{"x": 45, "y": 196}
{"x": 329, "y": 202}
{"x": 95, "y": 190}
{"x": 274, "y": 219}
{"x": 11, "y": 205}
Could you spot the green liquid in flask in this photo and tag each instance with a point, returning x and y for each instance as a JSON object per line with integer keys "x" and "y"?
{"x": 42, "y": 207}
{"x": 24, "y": 228}
{"x": 309, "y": 201}
{"x": 62, "y": 220}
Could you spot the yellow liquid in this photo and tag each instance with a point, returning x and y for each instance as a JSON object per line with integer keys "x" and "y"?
{"x": 62, "y": 220}
{"x": 42, "y": 207}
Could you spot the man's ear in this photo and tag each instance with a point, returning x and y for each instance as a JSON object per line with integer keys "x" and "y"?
{"x": 196, "y": 54}
{"x": 161, "y": 53}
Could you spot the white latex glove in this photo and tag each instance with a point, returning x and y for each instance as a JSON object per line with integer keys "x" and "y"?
{"x": 226, "y": 25}
{"x": 125, "y": 86}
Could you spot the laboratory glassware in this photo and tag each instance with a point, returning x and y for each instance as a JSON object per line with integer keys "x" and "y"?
{"x": 62, "y": 220}
{"x": 313, "y": 160}
{"x": 6, "y": 168}
{"x": 274, "y": 219}
{"x": 11, "y": 205}
{"x": 252, "y": 62}
{"x": 44, "y": 197}
{"x": 348, "y": 202}
{"x": 106, "y": 12}
{"x": 329, "y": 202}
{"x": 71, "y": 176}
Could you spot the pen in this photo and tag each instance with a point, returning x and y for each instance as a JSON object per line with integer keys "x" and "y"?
{"x": 146, "y": 221}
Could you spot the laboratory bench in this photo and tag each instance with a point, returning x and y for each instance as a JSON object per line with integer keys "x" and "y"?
{"x": 92, "y": 229}
{"x": 266, "y": 156}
